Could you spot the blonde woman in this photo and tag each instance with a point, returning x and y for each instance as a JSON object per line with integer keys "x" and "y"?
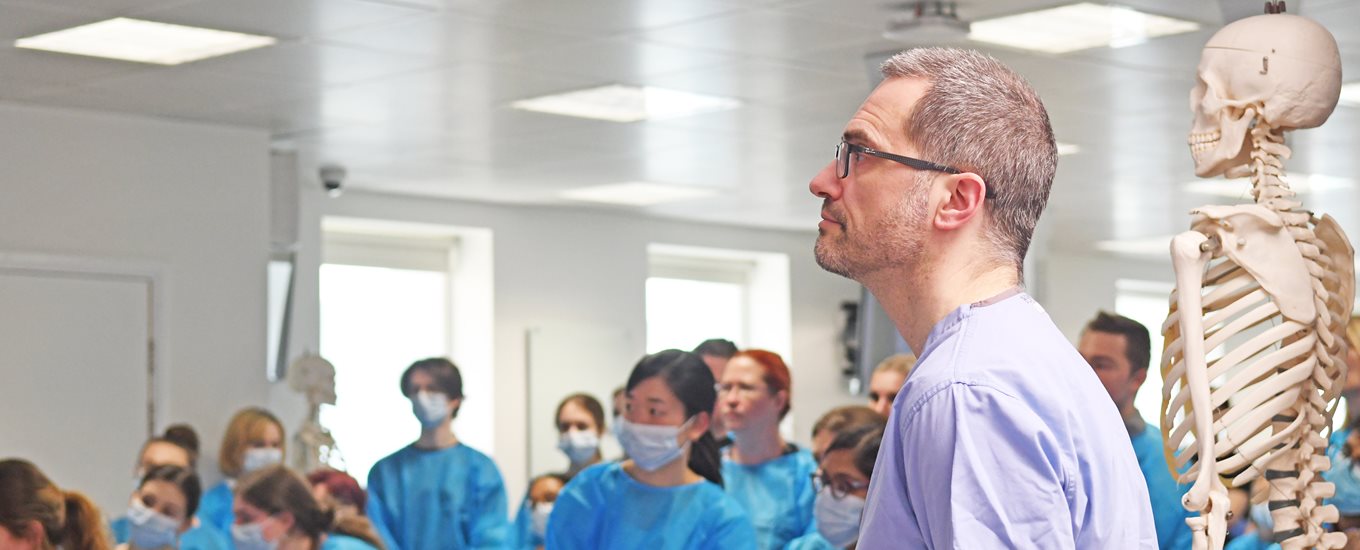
{"x": 254, "y": 441}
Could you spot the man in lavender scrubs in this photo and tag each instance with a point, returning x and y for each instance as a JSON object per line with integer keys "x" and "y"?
{"x": 1002, "y": 437}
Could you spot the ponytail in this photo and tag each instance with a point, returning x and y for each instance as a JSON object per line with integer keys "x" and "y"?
{"x": 705, "y": 458}
{"x": 68, "y": 519}
{"x": 84, "y": 529}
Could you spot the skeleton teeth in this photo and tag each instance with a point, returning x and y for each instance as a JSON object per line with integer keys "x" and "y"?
{"x": 1204, "y": 141}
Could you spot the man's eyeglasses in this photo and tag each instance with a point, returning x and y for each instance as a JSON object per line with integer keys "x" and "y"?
{"x": 845, "y": 150}
{"x": 839, "y": 487}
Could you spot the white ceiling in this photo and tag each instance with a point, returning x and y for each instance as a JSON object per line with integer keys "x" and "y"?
{"x": 412, "y": 96}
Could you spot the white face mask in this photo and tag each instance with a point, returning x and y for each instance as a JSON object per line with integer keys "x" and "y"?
{"x": 651, "y": 447}
{"x": 148, "y": 528}
{"x": 251, "y": 537}
{"x": 838, "y": 518}
{"x": 431, "y": 408}
{"x": 579, "y": 445}
{"x": 259, "y": 458}
{"x": 539, "y": 518}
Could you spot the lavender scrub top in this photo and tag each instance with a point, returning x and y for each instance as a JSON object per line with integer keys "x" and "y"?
{"x": 1003, "y": 437}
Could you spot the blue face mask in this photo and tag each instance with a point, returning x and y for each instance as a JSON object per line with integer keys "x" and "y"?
{"x": 149, "y": 529}
{"x": 1260, "y": 515}
{"x": 251, "y": 537}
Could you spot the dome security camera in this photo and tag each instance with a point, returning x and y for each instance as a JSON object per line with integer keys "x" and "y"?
{"x": 332, "y": 178}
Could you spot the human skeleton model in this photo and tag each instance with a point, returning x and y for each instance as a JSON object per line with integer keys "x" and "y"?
{"x": 313, "y": 377}
{"x": 1269, "y": 285}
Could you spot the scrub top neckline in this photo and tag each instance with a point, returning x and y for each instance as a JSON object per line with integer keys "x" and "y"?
{"x": 440, "y": 449}
{"x": 633, "y": 481}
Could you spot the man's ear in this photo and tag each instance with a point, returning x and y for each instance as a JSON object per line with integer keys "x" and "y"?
{"x": 965, "y": 194}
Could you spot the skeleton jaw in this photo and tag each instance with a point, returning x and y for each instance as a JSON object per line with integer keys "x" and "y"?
{"x": 1203, "y": 142}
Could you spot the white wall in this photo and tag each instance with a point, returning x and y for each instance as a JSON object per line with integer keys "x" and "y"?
{"x": 190, "y": 199}
{"x": 1076, "y": 285}
{"x": 558, "y": 266}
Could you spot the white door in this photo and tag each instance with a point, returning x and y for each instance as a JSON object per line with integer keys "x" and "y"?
{"x": 75, "y": 378}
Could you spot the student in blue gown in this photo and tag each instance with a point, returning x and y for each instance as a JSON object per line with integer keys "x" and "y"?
{"x": 580, "y": 425}
{"x": 842, "y": 481}
{"x": 438, "y": 493}
{"x": 254, "y": 440}
{"x": 668, "y": 494}
{"x": 768, "y": 476}
{"x": 178, "y": 446}
{"x": 338, "y": 491}
{"x": 1119, "y": 351}
{"x": 161, "y": 513}
{"x": 538, "y": 505}
{"x": 275, "y": 509}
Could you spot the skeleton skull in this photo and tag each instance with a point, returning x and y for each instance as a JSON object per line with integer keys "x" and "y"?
{"x": 314, "y": 377}
{"x": 1282, "y": 70}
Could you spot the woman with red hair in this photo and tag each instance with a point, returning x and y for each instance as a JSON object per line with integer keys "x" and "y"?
{"x": 770, "y": 477}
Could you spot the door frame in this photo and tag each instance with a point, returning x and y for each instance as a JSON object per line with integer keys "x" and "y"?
{"x": 154, "y": 276}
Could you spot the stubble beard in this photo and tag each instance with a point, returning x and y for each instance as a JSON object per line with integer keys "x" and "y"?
{"x": 894, "y": 241}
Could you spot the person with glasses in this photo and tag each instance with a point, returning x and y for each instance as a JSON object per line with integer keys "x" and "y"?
{"x": 841, "y": 483}
{"x": 765, "y": 474}
{"x": 1002, "y": 437}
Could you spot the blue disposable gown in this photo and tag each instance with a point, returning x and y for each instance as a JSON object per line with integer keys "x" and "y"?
{"x": 604, "y": 507}
{"x": 1250, "y": 541}
{"x": 814, "y": 541}
{"x": 1168, "y": 514}
{"x": 201, "y": 537}
{"x": 522, "y": 535}
{"x": 345, "y": 542}
{"x": 443, "y": 498}
{"x": 776, "y": 494}
{"x": 214, "y": 509}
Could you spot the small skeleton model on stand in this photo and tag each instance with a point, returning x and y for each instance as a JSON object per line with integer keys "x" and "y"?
{"x": 1269, "y": 285}
{"x": 313, "y": 377}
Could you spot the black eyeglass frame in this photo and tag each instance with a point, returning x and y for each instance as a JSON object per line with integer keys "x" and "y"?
{"x": 820, "y": 480}
{"x": 848, "y": 149}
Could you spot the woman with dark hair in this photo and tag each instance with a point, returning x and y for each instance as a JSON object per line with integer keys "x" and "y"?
{"x": 668, "y": 494}
{"x": 178, "y": 446}
{"x": 37, "y": 515}
{"x": 580, "y": 424}
{"x": 769, "y": 477}
{"x": 842, "y": 481}
{"x": 161, "y": 514}
{"x": 275, "y": 509}
{"x": 438, "y": 492}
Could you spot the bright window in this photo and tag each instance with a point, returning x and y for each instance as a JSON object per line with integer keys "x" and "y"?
{"x": 392, "y": 294}
{"x": 681, "y": 313}
{"x": 374, "y": 323}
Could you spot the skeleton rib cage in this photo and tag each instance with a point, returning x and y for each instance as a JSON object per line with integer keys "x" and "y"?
{"x": 1275, "y": 289}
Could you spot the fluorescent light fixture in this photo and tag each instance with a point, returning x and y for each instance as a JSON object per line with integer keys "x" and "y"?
{"x": 619, "y": 103}
{"x": 1240, "y": 188}
{"x": 1065, "y": 149}
{"x": 144, "y": 41}
{"x": 1350, "y": 94}
{"x": 1149, "y": 246}
{"x": 1076, "y": 27}
{"x": 637, "y": 193}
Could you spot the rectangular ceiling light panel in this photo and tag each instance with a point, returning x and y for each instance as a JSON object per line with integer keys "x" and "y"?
{"x": 637, "y": 193}
{"x": 1350, "y": 94}
{"x": 1076, "y": 27}
{"x": 619, "y": 103}
{"x": 144, "y": 41}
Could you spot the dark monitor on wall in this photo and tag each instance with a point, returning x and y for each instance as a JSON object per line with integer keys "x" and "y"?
{"x": 876, "y": 338}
